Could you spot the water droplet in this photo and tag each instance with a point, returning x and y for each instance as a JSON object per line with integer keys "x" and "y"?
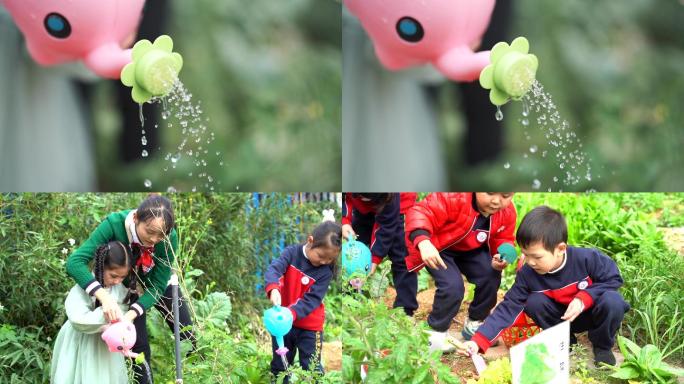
{"x": 536, "y": 184}
{"x": 144, "y": 153}
{"x": 148, "y": 183}
{"x": 525, "y": 108}
{"x": 175, "y": 158}
{"x": 171, "y": 189}
{"x": 533, "y": 149}
{"x": 525, "y": 122}
{"x": 143, "y": 140}
{"x": 140, "y": 112}
{"x": 507, "y": 165}
{"x": 499, "y": 114}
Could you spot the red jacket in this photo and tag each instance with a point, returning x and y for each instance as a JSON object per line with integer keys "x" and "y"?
{"x": 448, "y": 218}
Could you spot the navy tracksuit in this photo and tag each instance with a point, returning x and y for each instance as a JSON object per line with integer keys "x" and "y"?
{"x": 470, "y": 257}
{"x": 383, "y": 233}
{"x": 586, "y": 274}
{"x": 302, "y": 287}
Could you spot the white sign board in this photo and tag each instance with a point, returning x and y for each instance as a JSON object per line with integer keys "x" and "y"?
{"x": 544, "y": 358}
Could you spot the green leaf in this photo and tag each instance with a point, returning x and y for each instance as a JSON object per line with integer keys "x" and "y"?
{"x": 215, "y": 309}
{"x": 625, "y": 373}
{"x": 650, "y": 356}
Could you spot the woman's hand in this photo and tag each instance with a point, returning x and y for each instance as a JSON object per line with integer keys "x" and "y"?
{"x": 348, "y": 231}
{"x": 110, "y": 307}
{"x": 131, "y": 315}
{"x": 430, "y": 255}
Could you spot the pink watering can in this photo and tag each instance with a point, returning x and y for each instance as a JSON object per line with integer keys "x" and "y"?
{"x": 120, "y": 337}
{"x": 407, "y": 33}
{"x": 93, "y": 31}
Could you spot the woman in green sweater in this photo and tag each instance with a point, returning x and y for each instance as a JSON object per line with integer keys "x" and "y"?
{"x": 149, "y": 230}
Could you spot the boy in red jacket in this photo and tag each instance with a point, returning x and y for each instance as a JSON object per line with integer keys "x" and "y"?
{"x": 558, "y": 283}
{"x": 454, "y": 234}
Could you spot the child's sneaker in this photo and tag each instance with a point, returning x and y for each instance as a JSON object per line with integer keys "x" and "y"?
{"x": 438, "y": 342}
{"x": 603, "y": 356}
{"x": 470, "y": 327}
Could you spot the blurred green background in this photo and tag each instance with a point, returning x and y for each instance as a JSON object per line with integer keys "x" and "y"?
{"x": 267, "y": 74}
{"x": 616, "y": 73}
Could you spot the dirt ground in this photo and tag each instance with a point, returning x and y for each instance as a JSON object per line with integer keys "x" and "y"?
{"x": 674, "y": 238}
{"x": 462, "y": 366}
{"x": 332, "y": 355}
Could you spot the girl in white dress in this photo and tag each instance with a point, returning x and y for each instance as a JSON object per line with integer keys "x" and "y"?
{"x": 80, "y": 356}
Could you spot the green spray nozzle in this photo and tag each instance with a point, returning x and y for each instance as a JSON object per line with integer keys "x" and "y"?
{"x": 507, "y": 252}
{"x": 511, "y": 73}
{"x": 153, "y": 70}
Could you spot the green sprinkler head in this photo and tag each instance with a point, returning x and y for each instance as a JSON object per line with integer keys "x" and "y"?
{"x": 511, "y": 73}
{"x": 153, "y": 70}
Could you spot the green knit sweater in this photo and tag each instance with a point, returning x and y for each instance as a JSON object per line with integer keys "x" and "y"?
{"x": 114, "y": 228}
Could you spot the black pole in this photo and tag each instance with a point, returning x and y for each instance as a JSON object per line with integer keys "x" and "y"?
{"x": 176, "y": 329}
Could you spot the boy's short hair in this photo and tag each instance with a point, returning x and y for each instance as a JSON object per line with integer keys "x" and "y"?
{"x": 542, "y": 224}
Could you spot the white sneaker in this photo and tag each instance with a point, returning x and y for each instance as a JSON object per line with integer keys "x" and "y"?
{"x": 438, "y": 342}
{"x": 470, "y": 327}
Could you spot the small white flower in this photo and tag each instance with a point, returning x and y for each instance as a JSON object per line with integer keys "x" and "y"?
{"x": 328, "y": 215}
{"x": 64, "y": 251}
{"x": 72, "y": 242}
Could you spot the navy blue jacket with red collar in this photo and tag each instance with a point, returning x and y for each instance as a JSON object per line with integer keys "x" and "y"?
{"x": 387, "y": 224}
{"x": 586, "y": 274}
{"x": 302, "y": 286}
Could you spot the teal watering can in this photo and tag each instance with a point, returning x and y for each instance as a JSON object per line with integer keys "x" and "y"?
{"x": 356, "y": 258}
{"x": 278, "y": 322}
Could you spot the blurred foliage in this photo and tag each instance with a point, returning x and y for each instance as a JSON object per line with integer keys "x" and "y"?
{"x": 614, "y": 70}
{"x": 268, "y": 76}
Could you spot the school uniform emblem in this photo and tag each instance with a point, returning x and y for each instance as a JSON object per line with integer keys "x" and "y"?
{"x": 582, "y": 285}
{"x": 305, "y": 280}
{"x": 481, "y": 237}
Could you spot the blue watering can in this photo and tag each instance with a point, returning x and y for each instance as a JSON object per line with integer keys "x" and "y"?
{"x": 278, "y": 322}
{"x": 356, "y": 258}
{"x": 508, "y": 253}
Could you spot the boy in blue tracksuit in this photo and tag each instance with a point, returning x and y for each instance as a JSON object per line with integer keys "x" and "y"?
{"x": 559, "y": 283}
{"x": 299, "y": 280}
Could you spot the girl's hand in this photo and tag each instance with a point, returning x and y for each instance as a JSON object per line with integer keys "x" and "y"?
{"x": 373, "y": 268}
{"x": 430, "y": 255}
{"x": 348, "y": 231}
{"x": 110, "y": 307}
{"x": 275, "y": 297}
{"x": 468, "y": 348}
{"x": 497, "y": 263}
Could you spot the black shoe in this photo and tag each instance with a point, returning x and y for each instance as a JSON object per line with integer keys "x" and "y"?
{"x": 603, "y": 356}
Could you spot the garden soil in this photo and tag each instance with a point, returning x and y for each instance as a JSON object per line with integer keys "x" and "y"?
{"x": 462, "y": 366}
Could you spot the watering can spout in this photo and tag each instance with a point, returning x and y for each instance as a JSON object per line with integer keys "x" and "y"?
{"x": 108, "y": 60}
{"x": 153, "y": 70}
{"x": 511, "y": 73}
